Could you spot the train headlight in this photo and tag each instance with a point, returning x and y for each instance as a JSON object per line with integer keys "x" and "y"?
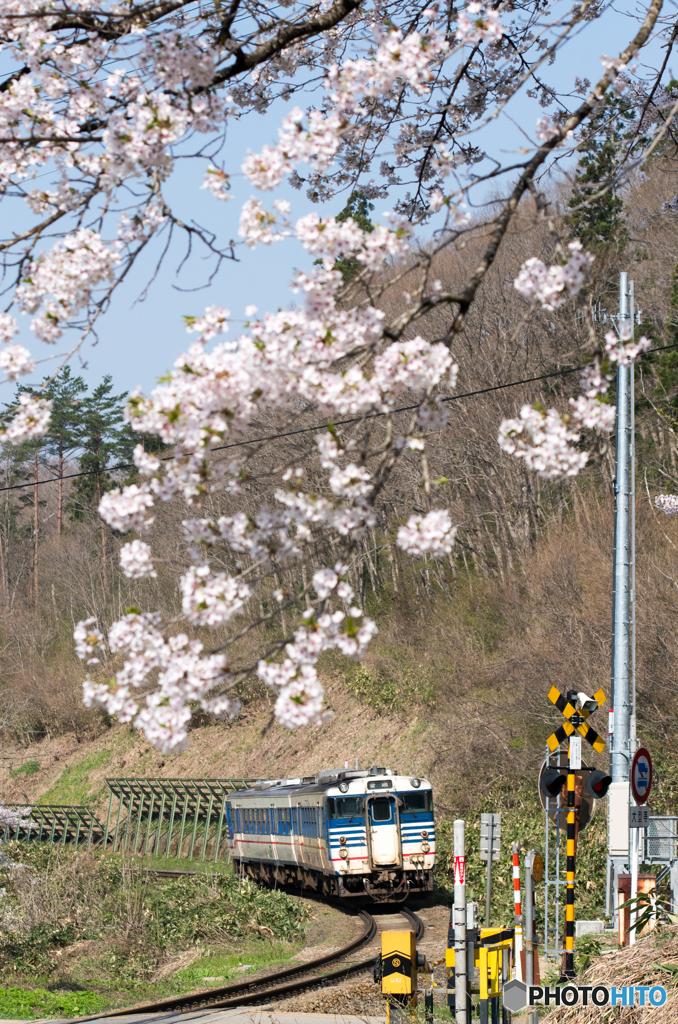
{"x": 424, "y": 835}
{"x": 343, "y": 786}
{"x": 343, "y": 852}
{"x": 416, "y": 783}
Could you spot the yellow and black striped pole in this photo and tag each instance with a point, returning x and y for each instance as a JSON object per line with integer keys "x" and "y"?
{"x": 569, "y": 909}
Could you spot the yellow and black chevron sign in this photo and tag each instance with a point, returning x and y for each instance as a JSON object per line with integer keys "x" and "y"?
{"x": 574, "y": 720}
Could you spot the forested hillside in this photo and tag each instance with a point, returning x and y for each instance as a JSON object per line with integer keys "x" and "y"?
{"x": 471, "y": 642}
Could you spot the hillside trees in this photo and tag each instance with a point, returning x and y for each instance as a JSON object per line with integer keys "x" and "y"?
{"x": 405, "y": 90}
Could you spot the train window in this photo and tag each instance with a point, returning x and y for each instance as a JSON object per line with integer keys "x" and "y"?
{"x": 380, "y": 784}
{"x": 414, "y": 803}
{"x": 381, "y": 809}
{"x": 345, "y": 806}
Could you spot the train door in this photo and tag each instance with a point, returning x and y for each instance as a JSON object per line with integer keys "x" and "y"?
{"x": 384, "y": 832}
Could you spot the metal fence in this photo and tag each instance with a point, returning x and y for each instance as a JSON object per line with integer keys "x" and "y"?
{"x": 660, "y": 839}
{"x": 56, "y": 823}
{"x": 184, "y": 818}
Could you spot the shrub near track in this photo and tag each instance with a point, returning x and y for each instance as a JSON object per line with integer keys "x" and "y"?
{"x": 79, "y": 917}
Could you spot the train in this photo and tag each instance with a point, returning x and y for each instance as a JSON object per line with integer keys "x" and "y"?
{"x": 343, "y": 832}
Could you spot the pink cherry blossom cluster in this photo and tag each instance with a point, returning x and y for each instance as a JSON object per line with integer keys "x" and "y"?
{"x": 147, "y": 464}
{"x": 550, "y": 451}
{"x": 317, "y": 144}
{"x": 89, "y": 641}
{"x": 168, "y": 673}
{"x": 126, "y": 510}
{"x": 30, "y": 421}
{"x": 8, "y": 327}
{"x": 135, "y": 561}
{"x": 409, "y": 58}
{"x": 69, "y": 274}
{"x": 553, "y": 286}
{"x": 414, "y": 364}
{"x": 295, "y": 680}
{"x": 668, "y": 503}
{"x": 623, "y": 351}
{"x": 258, "y": 226}
{"x": 548, "y": 129}
{"x": 476, "y": 24}
{"x": 613, "y": 67}
{"x": 211, "y": 599}
{"x": 316, "y": 137}
{"x": 213, "y": 321}
{"x": 15, "y": 360}
{"x": 432, "y": 534}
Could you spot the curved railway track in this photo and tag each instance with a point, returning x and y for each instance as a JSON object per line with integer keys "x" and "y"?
{"x": 278, "y": 985}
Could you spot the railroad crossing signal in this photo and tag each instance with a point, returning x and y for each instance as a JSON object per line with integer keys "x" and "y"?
{"x": 575, "y": 719}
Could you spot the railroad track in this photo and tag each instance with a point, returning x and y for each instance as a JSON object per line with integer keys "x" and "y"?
{"x": 278, "y": 985}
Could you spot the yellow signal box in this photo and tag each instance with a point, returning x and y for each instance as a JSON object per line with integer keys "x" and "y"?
{"x": 398, "y": 963}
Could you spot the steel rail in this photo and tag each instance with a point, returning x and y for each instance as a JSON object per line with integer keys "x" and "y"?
{"x": 259, "y": 990}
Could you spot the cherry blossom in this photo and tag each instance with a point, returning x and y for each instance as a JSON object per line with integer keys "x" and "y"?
{"x": 430, "y": 534}
{"x": 552, "y": 286}
{"x": 668, "y": 503}
{"x": 550, "y": 451}
{"x": 135, "y": 561}
{"x": 476, "y": 24}
{"x": 625, "y": 352}
{"x": 31, "y": 420}
{"x": 16, "y": 360}
{"x": 210, "y": 600}
{"x": 8, "y": 327}
{"x": 69, "y": 274}
{"x": 89, "y": 641}
{"x": 98, "y": 116}
{"x": 213, "y": 321}
{"x": 125, "y": 509}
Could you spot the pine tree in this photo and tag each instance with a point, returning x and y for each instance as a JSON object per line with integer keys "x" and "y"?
{"x": 359, "y": 209}
{"x": 105, "y": 441}
{"x": 596, "y": 219}
{"x": 65, "y": 435}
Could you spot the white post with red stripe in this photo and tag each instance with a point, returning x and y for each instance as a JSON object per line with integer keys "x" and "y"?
{"x": 518, "y": 915}
{"x": 459, "y": 921}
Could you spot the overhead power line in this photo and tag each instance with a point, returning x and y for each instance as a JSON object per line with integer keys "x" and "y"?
{"x": 324, "y": 426}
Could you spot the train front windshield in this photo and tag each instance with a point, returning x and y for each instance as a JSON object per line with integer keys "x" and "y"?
{"x": 350, "y": 807}
{"x": 418, "y": 803}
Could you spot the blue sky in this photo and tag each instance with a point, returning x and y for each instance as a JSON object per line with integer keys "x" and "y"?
{"x": 140, "y": 340}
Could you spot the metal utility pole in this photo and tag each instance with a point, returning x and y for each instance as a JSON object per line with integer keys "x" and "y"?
{"x": 623, "y": 615}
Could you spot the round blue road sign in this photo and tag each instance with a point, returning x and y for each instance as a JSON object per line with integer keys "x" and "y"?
{"x": 641, "y": 775}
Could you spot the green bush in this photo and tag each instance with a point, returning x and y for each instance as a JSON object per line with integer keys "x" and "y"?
{"x": 28, "y": 768}
{"x": 57, "y": 896}
{"x": 27, "y": 1004}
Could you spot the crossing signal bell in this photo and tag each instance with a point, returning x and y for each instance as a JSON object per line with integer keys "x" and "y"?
{"x": 598, "y": 783}
{"x": 552, "y": 782}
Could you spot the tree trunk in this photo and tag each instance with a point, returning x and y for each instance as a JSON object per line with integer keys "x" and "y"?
{"x": 60, "y": 498}
{"x": 103, "y": 534}
{"x": 36, "y": 593}
{"x": 3, "y": 571}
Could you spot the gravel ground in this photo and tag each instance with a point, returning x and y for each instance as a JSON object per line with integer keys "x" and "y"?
{"x": 361, "y": 997}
